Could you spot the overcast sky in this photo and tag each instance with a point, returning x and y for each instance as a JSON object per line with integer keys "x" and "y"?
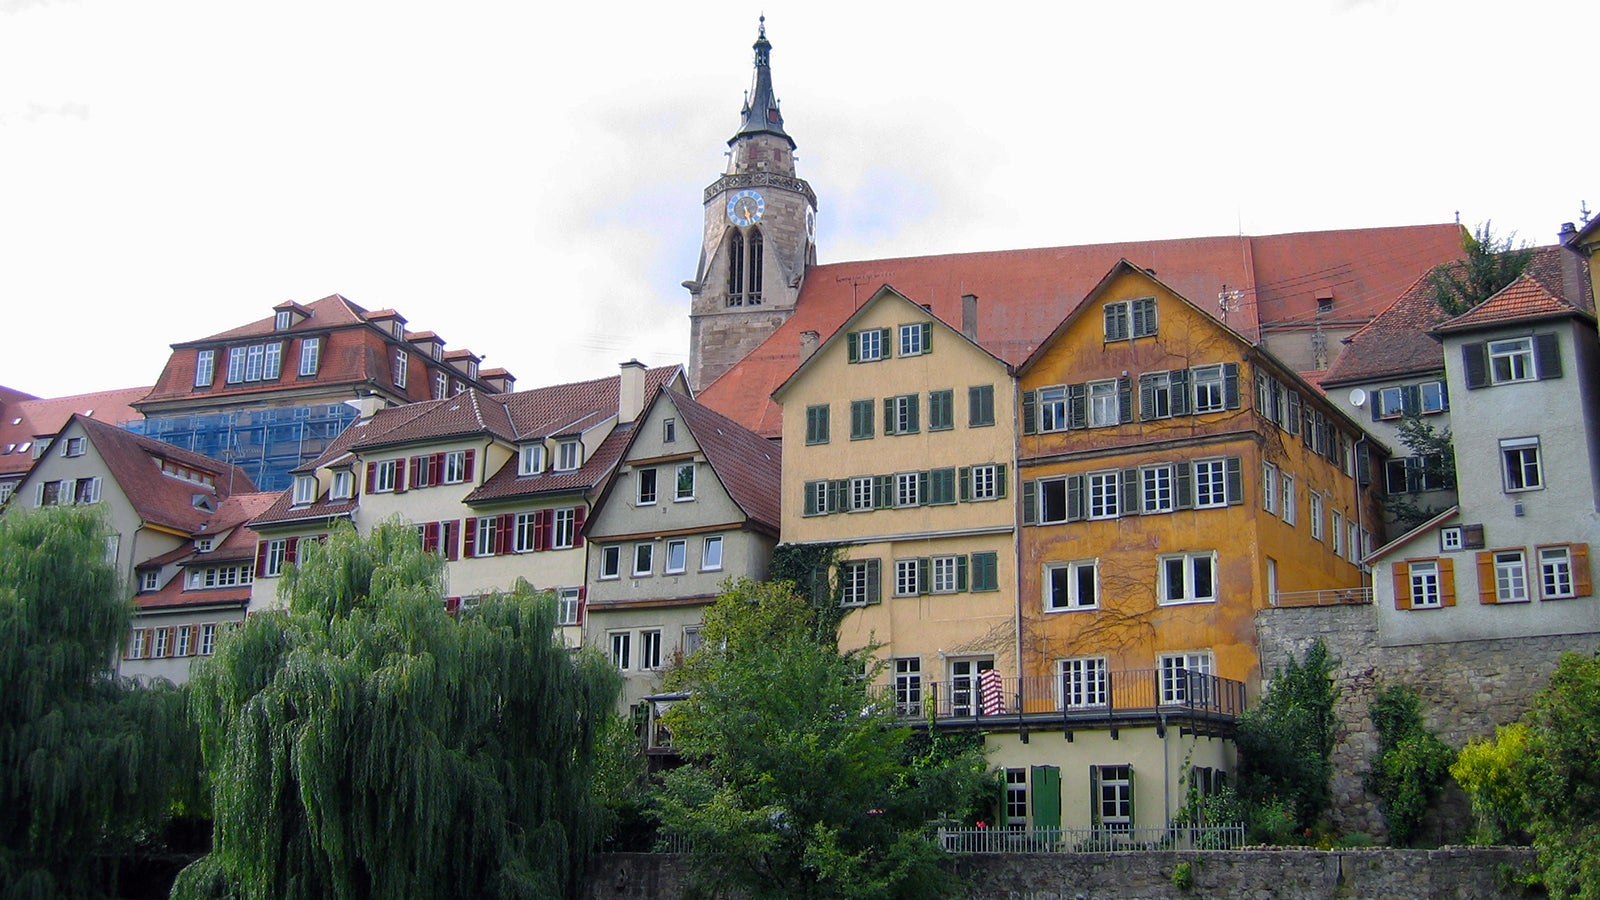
{"x": 526, "y": 182}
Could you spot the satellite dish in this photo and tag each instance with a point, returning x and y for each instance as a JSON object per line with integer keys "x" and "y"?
{"x": 1358, "y": 398}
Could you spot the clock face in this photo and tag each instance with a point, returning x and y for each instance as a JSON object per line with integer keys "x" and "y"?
{"x": 811, "y": 225}
{"x": 746, "y": 208}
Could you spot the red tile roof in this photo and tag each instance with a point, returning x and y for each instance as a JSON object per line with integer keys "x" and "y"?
{"x": 1522, "y": 300}
{"x": 48, "y": 416}
{"x": 748, "y": 465}
{"x": 1024, "y": 294}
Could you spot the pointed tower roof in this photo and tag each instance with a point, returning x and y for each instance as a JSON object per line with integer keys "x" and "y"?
{"x": 761, "y": 115}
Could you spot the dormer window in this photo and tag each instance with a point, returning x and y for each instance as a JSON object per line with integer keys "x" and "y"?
{"x": 531, "y": 459}
{"x": 149, "y": 580}
{"x": 283, "y": 320}
{"x": 569, "y": 455}
{"x": 38, "y": 448}
{"x": 204, "y": 544}
{"x": 438, "y": 351}
{"x": 305, "y": 489}
{"x": 472, "y": 369}
{"x": 398, "y": 329}
{"x": 73, "y": 446}
{"x": 205, "y": 365}
{"x": 344, "y": 486}
{"x": 401, "y": 360}
{"x": 441, "y": 385}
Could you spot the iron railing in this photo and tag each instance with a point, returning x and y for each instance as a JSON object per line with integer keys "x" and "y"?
{"x": 1356, "y": 596}
{"x": 1105, "y": 839}
{"x": 1094, "y": 695}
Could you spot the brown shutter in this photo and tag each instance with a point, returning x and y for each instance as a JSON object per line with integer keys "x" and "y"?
{"x": 1486, "y": 592}
{"x": 578, "y": 514}
{"x": 1402, "y": 585}
{"x": 1447, "y": 582}
{"x": 502, "y": 535}
{"x": 261, "y": 559}
{"x": 372, "y": 475}
{"x": 469, "y": 543}
{"x": 468, "y": 472}
{"x": 1582, "y": 585}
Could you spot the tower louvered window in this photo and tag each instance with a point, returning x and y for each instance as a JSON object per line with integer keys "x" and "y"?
{"x": 744, "y": 268}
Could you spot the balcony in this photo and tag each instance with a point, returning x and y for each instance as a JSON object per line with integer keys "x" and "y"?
{"x": 1356, "y": 596}
{"x": 1195, "y": 701}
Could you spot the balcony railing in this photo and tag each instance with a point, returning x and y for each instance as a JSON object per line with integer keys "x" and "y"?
{"x": 1106, "y": 839}
{"x": 1091, "y": 697}
{"x": 1355, "y": 596}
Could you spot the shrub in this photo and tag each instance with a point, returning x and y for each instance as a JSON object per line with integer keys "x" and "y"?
{"x": 1412, "y": 762}
{"x": 1491, "y": 772}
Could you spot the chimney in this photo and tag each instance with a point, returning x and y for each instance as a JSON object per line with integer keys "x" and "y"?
{"x": 808, "y": 344}
{"x": 1572, "y": 280}
{"x": 367, "y": 405}
{"x": 630, "y": 392}
{"x": 969, "y": 316}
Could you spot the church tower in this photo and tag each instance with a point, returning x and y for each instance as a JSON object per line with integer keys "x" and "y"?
{"x": 760, "y": 235}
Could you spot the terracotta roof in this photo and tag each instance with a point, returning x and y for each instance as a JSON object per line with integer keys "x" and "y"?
{"x": 173, "y": 596}
{"x": 1521, "y": 300}
{"x": 12, "y": 395}
{"x": 1024, "y": 294}
{"x": 470, "y": 412}
{"x": 748, "y": 465}
{"x": 48, "y": 416}
{"x": 329, "y": 312}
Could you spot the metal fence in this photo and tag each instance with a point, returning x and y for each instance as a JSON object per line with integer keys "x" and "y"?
{"x": 1091, "y": 840}
{"x": 1098, "y": 694}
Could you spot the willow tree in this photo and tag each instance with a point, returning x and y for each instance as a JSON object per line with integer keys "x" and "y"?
{"x": 366, "y": 743}
{"x": 89, "y": 764}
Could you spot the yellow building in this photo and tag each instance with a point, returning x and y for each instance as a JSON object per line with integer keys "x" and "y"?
{"x": 1174, "y": 478}
{"x": 898, "y": 448}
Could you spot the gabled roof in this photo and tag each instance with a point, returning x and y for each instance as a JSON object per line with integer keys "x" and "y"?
{"x": 1412, "y": 535}
{"x": 48, "y": 416}
{"x": 471, "y": 412}
{"x": 1399, "y": 343}
{"x": 1524, "y": 300}
{"x": 1023, "y": 294}
{"x": 329, "y": 312}
{"x": 748, "y": 465}
{"x": 230, "y": 520}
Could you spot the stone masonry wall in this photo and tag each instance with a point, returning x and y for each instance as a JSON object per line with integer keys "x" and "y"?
{"x": 1467, "y": 688}
{"x": 1453, "y": 873}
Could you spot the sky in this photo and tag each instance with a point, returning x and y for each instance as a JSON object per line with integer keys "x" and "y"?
{"x": 525, "y": 180}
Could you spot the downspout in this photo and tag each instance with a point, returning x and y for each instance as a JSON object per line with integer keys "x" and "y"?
{"x": 1361, "y": 526}
{"x": 1016, "y": 518}
{"x": 1166, "y": 771}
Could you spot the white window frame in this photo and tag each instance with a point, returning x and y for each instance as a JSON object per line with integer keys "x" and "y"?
{"x": 1511, "y": 360}
{"x": 277, "y": 553}
{"x": 441, "y": 385}
{"x": 649, "y": 649}
{"x": 1269, "y": 488}
{"x": 1173, "y": 690}
{"x": 1052, "y": 409}
{"x": 343, "y": 486}
{"x": 137, "y": 643}
{"x": 907, "y": 489}
{"x": 669, "y": 431}
{"x": 310, "y": 355}
{"x": 1104, "y": 491}
{"x": 863, "y": 493}
{"x": 487, "y": 539}
{"x": 402, "y": 362}
{"x": 569, "y": 455}
{"x": 1074, "y": 599}
{"x": 1434, "y": 403}
{"x": 869, "y": 345}
{"x": 524, "y": 527}
{"x": 1156, "y": 491}
{"x": 944, "y": 574}
{"x": 208, "y": 639}
{"x": 158, "y": 646}
{"x": 530, "y": 459}
{"x": 1104, "y": 409}
{"x": 1210, "y": 483}
{"x": 985, "y": 482}
{"x": 711, "y": 554}
{"x": 1452, "y": 538}
{"x": 1336, "y": 527}
{"x": 1425, "y": 586}
{"x": 1209, "y": 387}
{"x": 1511, "y": 576}
{"x": 1289, "y": 502}
{"x": 185, "y": 640}
{"x": 854, "y": 577}
{"x": 563, "y": 528}
{"x": 1116, "y": 792}
{"x": 1082, "y": 682}
{"x": 1521, "y": 464}
{"x": 205, "y": 367}
{"x": 455, "y": 466}
{"x": 305, "y": 490}
{"x": 683, "y": 490}
{"x": 907, "y": 577}
{"x": 677, "y": 556}
{"x": 383, "y": 476}
{"x": 644, "y": 552}
{"x": 282, "y": 320}
{"x": 621, "y": 649}
{"x": 610, "y": 562}
{"x": 1190, "y": 591}
{"x": 911, "y": 343}
{"x": 1555, "y": 573}
{"x": 1314, "y": 510}
{"x": 568, "y": 605}
{"x": 908, "y": 685}
{"x": 646, "y": 486}
{"x": 150, "y": 580}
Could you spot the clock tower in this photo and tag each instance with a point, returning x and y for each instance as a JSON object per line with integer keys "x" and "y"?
{"x": 760, "y": 235}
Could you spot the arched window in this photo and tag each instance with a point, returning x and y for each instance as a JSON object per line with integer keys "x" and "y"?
{"x": 735, "y": 269}
{"x": 753, "y": 291}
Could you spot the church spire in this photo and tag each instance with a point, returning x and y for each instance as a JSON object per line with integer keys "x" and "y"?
{"x": 761, "y": 115}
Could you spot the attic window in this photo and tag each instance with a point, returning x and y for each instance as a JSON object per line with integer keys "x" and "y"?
{"x": 1324, "y": 301}
{"x": 283, "y": 320}
{"x": 398, "y": 329}
{"x": 438, "y": 351}
{"x": 202, "y": 501}
{"x": 204, "y": 544}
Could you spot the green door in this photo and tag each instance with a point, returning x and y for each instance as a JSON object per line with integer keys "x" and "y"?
{"x": 1046, "y": 801}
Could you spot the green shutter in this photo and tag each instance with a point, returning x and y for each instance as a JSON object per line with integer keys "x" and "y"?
{"x": 922, "y": 488}
{"x": 914, "y": 402}
{"x": 1000, "y": 480}
{"x": 964, "y": 475}
{"x": 924, "y": 575}
{"x": 1125, "y": 399}
{"x": 811, "y": 498}
{"x": 855, "y": 346}
{"x": 883, "y": 491}
{"x": 1030, "y": 502}
{"x": 1077, "y": 406}
{"x": 1044, "y": 784}
{"x": 1129, "y": 483}
{"x": 927, "y": 337}
{"x": 886, "y": 340}
{"x": 961, "y": 573}
{"x": 1094, "y": 796}
{"x": 1183, "y": 474}
{"x": 1230, "y": 384}
{"x": 874, "y": 575}
{"x": 1030, "y": 412}
{"x": 1074, "y": 498}
{"x": 1235, "y": 481}
{"x": 1180, "y": 391}
{"x": 888, "y": 415}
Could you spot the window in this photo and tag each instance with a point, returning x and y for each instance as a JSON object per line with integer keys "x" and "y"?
{"x": 677, "y": 556}
{"x": 1053, "y": 505}
{"x": 1288, "y": 499}
{"x": 1556, "y": 567}
{"x": 564, "y": 528}
{"x": 1520, "y": 458}
{"x": 455, "y": 466}
{"x": 621, "y": 647}
{"x": 1083, "y": 682}
{"x": 1156, "y": 488}
{"x": 646, "y": 479}
{"x": 868, "y": 346}
{"x": 1269, "y": 488}
{"x": 1187, "y": 577}
{"x": 530, "y": 459}
{"x": 1103, "y": 495}
{"x": 1210, "y": 483}
{"x": 650, "y": 649}
{"x": 711, "y": 554}
{"x": 1103, "y": 403}
{"x": 344, "y": 485}
{"x": 568, "y": 605}
{"x": 218, "y": 577}
{"x": 204, "y": 544}
{"x": 73, "y": 446}
{"x": 821, "y": 498}
{"x": 1116, "y": 319}
{"x": 611, "y": 561}
{"x": 205, "y": 363}
{"x": 1510, "y": 577}
{"x": 380, "y": 477}
{"x": 1451, "y": 539}
{"x": 1113, "y": 793}
{"x": 986, "y": 571}
{"x": 276, "y": 552}
{"x": 980, "y": 405}
{"x": 441, "y": 385}
{"x": 1337, "y": 535}
{"x": 1511, "y": 360}
{"x": 136, "y": 643}
{"x": 305, "y": 489}
{"x": 1053, "y": 408}
{"x": 916, "y": 339}
{"x": 185, "y": 640}
{"x": 1423, "y": 578}
{"x": 1432, "y": 394}
{"x": 863, "y": 493}
{"x": 1314, "y": 502}
{"x": 208, "y": 639}
{"x": 669, "y": 431}
{"x": 684, "y": 482}
{"x": 1413, "y": 474}
{"x": 1130, "y": 318}
{"x": 1352, "y": 541}
{"x": 861, "y": 418}
{"x": 402, "y": 361}
{"x": 1071, "y": 585}
{"x": 907, "y": 489}
{"x": 644, "y": 559}
{"x": 900, "y": 414}
{"x": 941, "y": 410}
{"x": 150, "y": 580}
{"x": 907, "y": 580}
{"x": 1185, "y": 677}
{"x": 949, "y": 574}
{"x": 1016, "y": 799}
{"x": 256, "y": 362}
{"x": 860, "y": 582}
{"x": 159, "y": 650}
{"x": 282, "y": 320}
{"x": 1156, "y": 394}
{"x": 986, "y": 482}
{"x": 569, "y": 455}
{"x": 310, "y": 355}
{"x": 487, "y": 540}
{"x": 817, "y": 424}
{"x": 693, "y": 639}
{"x": 908, "y": 686}
{"x": 1216, "y": 388}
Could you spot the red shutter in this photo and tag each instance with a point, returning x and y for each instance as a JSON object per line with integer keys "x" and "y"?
{"x": 430, "y": 540}
{"x": 470, "y": 454}
{"x": 452, "y": 605}
{"x": 502, "y": 535}
{"x": 469, "y": 546}
{"x": 261, "y": 559}
{"x": 539, "y": 542}
{"x": 399, "y": 476}
{"x": 414, "y": 464}
{"x": 436, "y": 469}
{"x": 372, "y": 475}
{"x": 548, "y": 529}
{"x": 583, "y": 593}
{"x": 577, "y": 526}
{"x": 452, "y": 546}
{"x": 290, "y": 554}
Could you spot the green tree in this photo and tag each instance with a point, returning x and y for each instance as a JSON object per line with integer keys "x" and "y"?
{"x": 1412, "y": 764}
{"x": 89, "y": 764}
{"x": 800, "y": 783}
{"x": 1492, "y": 772}
{"x": 1490, "y": 263}
{"x": 1286, "y": 742}
{"x": 368, "y": 744}
{"x": 1563, "y": 772}
{"x": 1436, "y": 448}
